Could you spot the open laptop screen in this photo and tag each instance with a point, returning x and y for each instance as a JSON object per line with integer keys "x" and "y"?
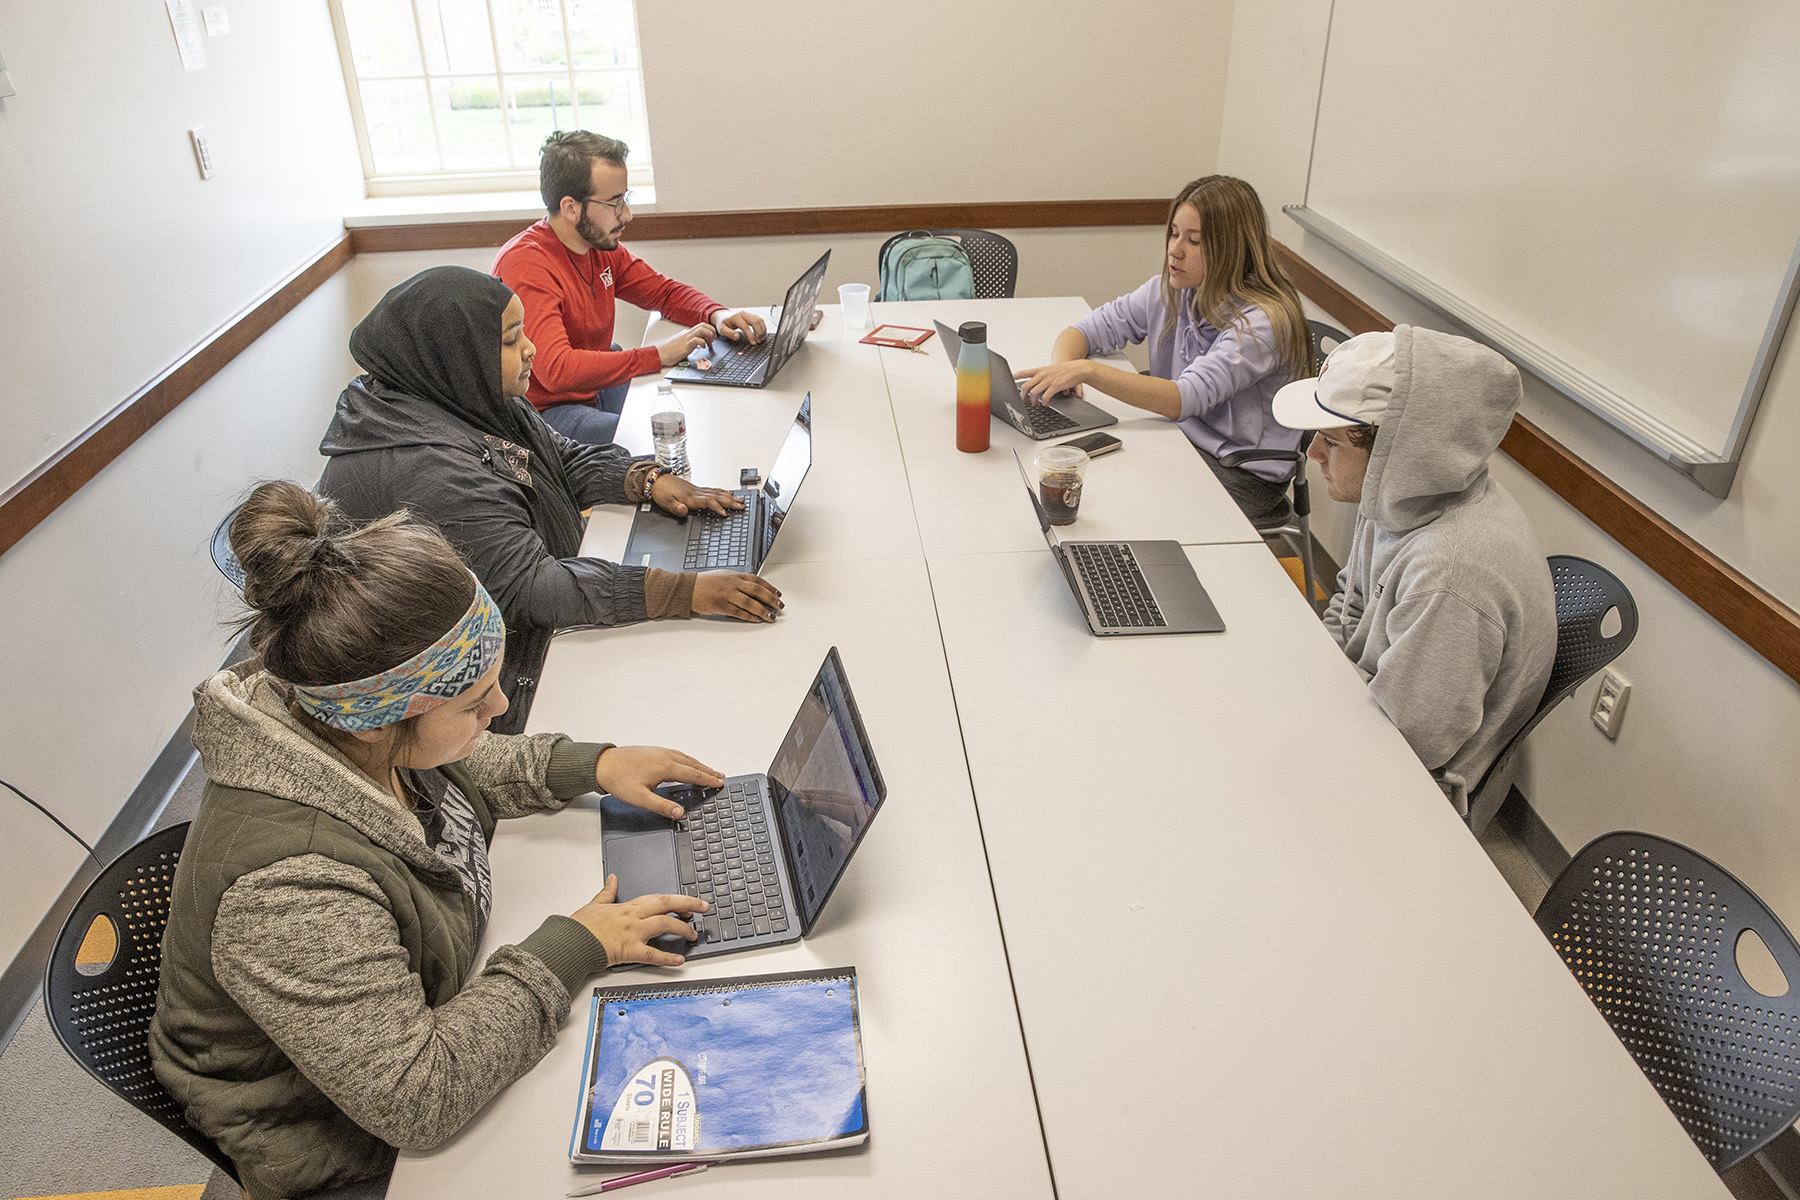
{"x": 789, "y": 471}
{"x": 827, "y": 787}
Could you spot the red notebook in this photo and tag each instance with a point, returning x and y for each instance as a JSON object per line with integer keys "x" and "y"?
{"x": 901, "y": 337}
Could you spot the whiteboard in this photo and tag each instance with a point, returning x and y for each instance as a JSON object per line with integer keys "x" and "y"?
{"x": 1608, "y": 192}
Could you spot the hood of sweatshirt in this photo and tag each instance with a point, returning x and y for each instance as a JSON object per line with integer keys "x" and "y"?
{"x": 1453, "y": 401}
{"x": 247, "y": 739}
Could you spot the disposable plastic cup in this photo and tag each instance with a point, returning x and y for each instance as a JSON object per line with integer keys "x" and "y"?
{"x": 855, "y": 299}
{"x": 1060, "y": 472}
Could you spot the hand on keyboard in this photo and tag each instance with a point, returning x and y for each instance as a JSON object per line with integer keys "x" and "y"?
{"x": 740, "y": 326}
{"x": 625, "y": 929}
{"x": 677, "y": 347}
{"x": 631, "y": 773}
{"x": 734, "y": 594}
{"x": 1039, "y": 384}
{"x": 677, "y": 496}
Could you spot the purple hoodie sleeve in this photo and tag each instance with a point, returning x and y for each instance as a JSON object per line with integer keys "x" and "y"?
{"x": 1237, "y": 359}
{"x": 1124, "y": 322}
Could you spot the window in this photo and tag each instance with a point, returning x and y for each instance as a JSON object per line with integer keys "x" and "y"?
{"x": 457, "y": 95}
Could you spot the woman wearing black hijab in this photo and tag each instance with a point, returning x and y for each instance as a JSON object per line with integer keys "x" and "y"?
{"x": 439, "y": 426}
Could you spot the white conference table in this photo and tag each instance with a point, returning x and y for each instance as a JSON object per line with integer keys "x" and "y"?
{"x": 1249, "y": 948}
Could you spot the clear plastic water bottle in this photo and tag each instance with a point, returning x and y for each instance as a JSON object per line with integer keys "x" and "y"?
{"x": 668, "y": 424}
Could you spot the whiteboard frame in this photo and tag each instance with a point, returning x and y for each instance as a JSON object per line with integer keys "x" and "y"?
{"x": 1712, "y": 469}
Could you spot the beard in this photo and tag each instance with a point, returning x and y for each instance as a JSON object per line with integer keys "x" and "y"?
{"x": 593, "y": 235}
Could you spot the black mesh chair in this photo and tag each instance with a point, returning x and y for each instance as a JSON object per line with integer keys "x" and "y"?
{"x": 1585, "y": 593}
{"x": 222, "y": 557}
{"x": 103, "y": 1019}
{"x": 1651, "y": 931}
{"x": 1294, "y": 526}
{"x": 994, "y": 259}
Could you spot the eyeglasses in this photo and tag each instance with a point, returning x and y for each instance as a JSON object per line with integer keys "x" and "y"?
{"x": 618, "y": 206}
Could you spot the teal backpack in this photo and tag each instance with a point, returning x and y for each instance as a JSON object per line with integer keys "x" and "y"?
{"x": 922, "y": 266}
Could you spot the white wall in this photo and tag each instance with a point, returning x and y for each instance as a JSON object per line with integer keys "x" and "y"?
{"x": 1710, "y": 748}
{"x": 806, "y": 104}
{"x": 116, "y": 259}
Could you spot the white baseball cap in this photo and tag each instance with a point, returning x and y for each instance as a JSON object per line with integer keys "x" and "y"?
{"x": 1353, "y": 387}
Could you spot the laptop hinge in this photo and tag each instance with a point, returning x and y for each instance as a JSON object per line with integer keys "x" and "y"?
{"x": 777, "y": 799}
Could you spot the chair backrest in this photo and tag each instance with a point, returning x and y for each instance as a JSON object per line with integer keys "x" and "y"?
{"x": 994, "y": 259}
{"x": 222, "y": 556}
{"x": 103, "y": 1018}
{"x": 1651, "y": 929}
{"x": 1321, "y": 335}
{"x": 1585, "y": 593}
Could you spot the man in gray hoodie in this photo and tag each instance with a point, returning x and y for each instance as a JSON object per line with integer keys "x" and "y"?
{"x": 1444, "y": 603}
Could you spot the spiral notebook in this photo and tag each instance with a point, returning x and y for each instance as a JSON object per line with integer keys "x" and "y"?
{"x": 749, "y": 1067}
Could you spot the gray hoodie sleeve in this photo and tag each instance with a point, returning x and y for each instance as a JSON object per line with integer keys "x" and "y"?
{"x": 1441, "y": 657}
{"x": 309, "y": 950}
{"x": 519, "y": 775}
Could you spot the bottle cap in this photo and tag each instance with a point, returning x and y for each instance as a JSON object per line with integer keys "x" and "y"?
{"x": 665, "y": 387}
{"x": 973, "y": 331}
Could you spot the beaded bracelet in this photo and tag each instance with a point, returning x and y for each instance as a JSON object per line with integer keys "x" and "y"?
{"x": 651, "y": 476}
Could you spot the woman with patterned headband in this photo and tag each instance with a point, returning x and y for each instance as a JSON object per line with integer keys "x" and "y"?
{"x": 320, "y": 1001}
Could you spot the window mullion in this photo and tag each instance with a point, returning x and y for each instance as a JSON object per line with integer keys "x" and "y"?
{"x": 437, "y": 136}
{"x": 500, "y": 82}
{"x": 569, "y": 62}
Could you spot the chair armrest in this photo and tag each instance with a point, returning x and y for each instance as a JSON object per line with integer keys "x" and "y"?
{"x": 1239, "y": 457}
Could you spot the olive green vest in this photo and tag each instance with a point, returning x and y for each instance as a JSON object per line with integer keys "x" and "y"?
{"x": 232, "y": 1082}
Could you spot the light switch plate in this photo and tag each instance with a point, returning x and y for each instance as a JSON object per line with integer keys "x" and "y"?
{"x": 1609, "y": 703}
{"x": 202, "y": 151}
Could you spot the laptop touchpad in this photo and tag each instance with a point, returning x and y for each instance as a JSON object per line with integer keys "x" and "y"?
{"x": 644, "y": 862}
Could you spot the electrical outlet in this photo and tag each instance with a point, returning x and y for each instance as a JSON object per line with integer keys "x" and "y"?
{"x": 1609, "y": 703}
{"x": 202, "y": 151}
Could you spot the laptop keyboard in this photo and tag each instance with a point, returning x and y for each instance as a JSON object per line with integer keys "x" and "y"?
{"x": 720, "y": 541}
{"x": 1046, "y": 420}
{"x": 731, "y": 857}
{"x": 1117, "y": 588}
{"x": 741, "y": 363}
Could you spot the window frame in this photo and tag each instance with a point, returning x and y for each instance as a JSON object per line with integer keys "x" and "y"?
{"x": 446, "y": 180}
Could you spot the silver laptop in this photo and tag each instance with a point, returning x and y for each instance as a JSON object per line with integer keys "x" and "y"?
{"x": 1129, "y": 587}
{"x": 765, "y": 851}
{"x": 738, "y": 541}
{"x": 740, "y": 364}
{"x": 1067, "y": 413}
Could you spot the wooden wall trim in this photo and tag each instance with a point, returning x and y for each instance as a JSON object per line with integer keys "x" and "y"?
{"x": 1764, "y": 623}
{"x": 791, "y": 222}
{"x": 39, "y": 494}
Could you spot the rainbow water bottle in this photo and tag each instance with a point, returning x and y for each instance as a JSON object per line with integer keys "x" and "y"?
{"x": 974, "y": 389}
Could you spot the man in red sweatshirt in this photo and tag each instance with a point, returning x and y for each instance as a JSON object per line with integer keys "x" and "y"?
{"x": 567, "y": 270}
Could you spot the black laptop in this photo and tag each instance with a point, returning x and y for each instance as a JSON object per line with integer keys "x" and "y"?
{"x": 765, "y": 851}
{"x": 1064, "y": 413}
{"x": 738, "y": 541}
{"x": 1129, "y": 587}
{"x": 740, "y": 364}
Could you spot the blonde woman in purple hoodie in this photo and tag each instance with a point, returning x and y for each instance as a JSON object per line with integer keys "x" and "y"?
{"x": 1226, "y": 331}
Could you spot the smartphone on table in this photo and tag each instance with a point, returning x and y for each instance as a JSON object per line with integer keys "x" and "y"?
{"x": 1095, "y": 444}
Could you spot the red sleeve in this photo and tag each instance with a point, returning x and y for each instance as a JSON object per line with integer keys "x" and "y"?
{"x": 640, "y": 283}
{"x": 560, "y": 370}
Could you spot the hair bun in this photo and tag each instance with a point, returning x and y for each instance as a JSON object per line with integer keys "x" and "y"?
{"x": 286, "y": 538}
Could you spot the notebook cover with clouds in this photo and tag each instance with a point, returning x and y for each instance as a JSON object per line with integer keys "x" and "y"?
{"x": 718, "y": 1069}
